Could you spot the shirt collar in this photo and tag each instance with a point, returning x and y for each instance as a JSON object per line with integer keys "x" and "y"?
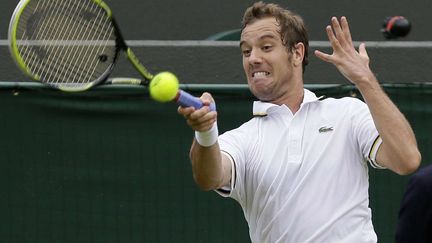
{"x": 262, "y": 108}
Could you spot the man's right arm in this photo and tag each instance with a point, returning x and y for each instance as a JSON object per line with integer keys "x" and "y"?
{"x": 211, "y": 168}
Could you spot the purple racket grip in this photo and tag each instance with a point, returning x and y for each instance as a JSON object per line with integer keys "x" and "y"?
{"x": 185, "y": 99}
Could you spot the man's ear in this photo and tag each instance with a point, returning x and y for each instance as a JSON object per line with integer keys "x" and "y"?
{"x": 298, "y": 53}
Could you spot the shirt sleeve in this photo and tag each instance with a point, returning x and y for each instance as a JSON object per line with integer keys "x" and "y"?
{"x": 365, "y": 132}
{"x": 226, "y": 190}
{"x": 234, "y": 144}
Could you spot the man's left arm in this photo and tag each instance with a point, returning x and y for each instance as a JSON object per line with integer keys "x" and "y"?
{"x": 398, "y": 151}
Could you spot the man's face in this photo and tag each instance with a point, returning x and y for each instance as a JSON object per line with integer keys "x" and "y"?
{"x": 266, "y": 61}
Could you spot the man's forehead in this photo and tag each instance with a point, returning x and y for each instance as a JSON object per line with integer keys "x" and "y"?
{"x": 261, "y": 29}
{"x": 261, "y": 25}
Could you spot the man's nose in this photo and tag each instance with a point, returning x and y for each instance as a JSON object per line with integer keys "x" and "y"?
{"x": 255, "y": 57}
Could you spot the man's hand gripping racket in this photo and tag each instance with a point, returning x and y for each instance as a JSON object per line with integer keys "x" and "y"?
{"x": 73, "y": 45}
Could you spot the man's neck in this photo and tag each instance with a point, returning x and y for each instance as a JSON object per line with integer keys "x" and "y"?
{"x": 293, "y": 98}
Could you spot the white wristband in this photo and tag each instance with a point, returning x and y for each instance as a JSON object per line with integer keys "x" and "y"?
{"x": 207, "y": 138}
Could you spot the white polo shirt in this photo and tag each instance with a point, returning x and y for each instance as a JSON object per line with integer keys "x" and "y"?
{"x": 304, "y": 177}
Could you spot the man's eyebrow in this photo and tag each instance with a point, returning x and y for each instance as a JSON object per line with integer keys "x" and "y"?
{"x": 265, "y": 36}
{"x": 270, "y": 36}
{"x": 241, "y": 43}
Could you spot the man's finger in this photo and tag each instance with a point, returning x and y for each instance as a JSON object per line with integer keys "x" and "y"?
{"x": 332, "y": 38}
{"x": 323, "y": 56}
{"x": 346, "y": 30}
{"x": 362, "y": 50}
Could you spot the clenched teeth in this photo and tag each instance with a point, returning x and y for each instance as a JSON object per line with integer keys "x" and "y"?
{"x": 260, "y": 74}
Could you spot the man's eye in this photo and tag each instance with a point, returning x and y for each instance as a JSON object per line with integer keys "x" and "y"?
{"x": 267, "y": 48}
{"x": 246, "y": 53}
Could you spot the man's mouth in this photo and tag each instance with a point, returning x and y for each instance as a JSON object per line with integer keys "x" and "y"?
{"x": 260, "y": 74}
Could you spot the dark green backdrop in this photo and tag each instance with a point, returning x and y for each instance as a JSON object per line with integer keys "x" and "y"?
{"x": 109, "y": 165}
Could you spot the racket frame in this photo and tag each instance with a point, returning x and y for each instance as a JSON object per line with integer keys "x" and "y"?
{"x": 120, "y": 45}
{"x": 13, "y": 48}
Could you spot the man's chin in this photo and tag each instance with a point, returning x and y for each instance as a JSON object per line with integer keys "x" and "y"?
{"x": 261, "y": 96}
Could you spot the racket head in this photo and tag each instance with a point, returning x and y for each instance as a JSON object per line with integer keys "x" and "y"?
{"x": 71, "y": 45}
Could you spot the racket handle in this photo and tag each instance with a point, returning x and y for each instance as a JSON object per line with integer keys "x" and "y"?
{"x": 185, "y": 99}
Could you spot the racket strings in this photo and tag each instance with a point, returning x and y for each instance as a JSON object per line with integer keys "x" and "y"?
{"x": 71, "y": 40}
{"x": 72, "y": 73}
{"x": 54, "y": 61}
{"x": 28, "y": 51}
{"x": 39, "y": 34}
{"x": 45, "y": 38}
{"x": 83, "y": 52}
{"x": 94, "y": 50}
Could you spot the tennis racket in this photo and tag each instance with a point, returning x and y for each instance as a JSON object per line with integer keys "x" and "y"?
{"x": 73, "y": 45}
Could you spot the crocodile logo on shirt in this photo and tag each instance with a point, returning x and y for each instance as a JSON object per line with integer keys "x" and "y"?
{"x": 325, "y": 129}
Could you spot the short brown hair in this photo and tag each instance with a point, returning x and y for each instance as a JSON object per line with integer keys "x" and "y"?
{"x": 292, "y": 27}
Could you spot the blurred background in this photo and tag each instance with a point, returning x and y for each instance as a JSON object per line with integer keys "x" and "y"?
{"x": 110, "y": 165}
{"x": 196, "y": 20}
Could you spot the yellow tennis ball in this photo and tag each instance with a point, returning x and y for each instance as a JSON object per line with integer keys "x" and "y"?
{"x": 164, "y": 87}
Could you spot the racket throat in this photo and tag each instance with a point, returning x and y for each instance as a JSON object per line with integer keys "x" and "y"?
{"x": 138, "y": 66}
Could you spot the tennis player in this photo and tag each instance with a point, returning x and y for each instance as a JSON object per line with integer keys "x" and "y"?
{"x": 299, "y": 167}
